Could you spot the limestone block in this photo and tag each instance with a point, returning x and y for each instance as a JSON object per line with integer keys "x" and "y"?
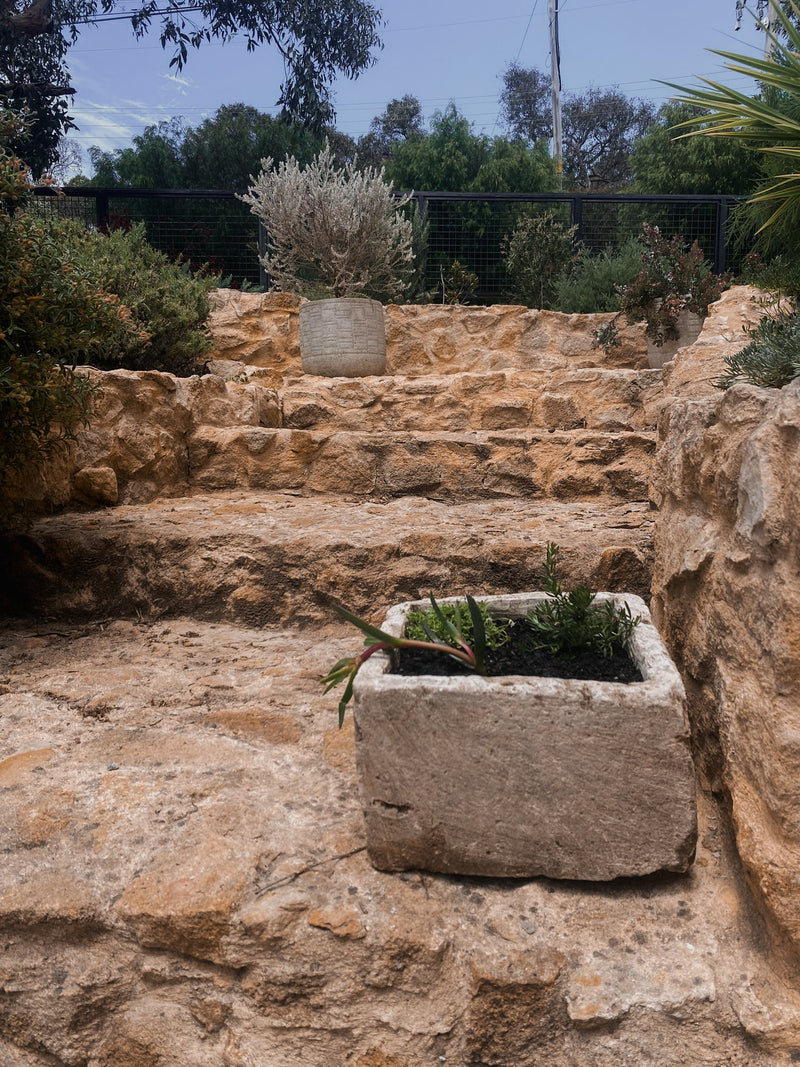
{"x": 527, "y": 776}
{"x": 258, "y": 329}
{"x": 96, "y": 485}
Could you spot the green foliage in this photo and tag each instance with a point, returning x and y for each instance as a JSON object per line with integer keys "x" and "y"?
{"x": 53, "y": 314}
{"x": 599, "y": 129}
{"x": 538, "y": 255}
{"x": 450, "y": 157}
{"x": 223, "y": 152}
{"x": 167, "y": 302}
{"x": 594, "y": 284}
{"x": 673, "y": 278}
{"x": 436, "y": 623}
{"x": 570, "y": 624}
{"x": 665, "y": 164}
{"x": 316, "y": 42}
{"x": 456, "y": 285}
{"x": 772, "y": 358}
{"x": 769, "y": 122}
{"x": 780, "y": 274}
{"x": 451, "y": 623}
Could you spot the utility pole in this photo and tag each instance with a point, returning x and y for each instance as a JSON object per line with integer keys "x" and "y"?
{"x": 555, "y": 70}
{"x": 771, "y": 27}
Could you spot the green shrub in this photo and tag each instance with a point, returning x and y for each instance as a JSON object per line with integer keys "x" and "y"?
{"x": 772, "y": 358}
{"x": 538, "y": 254}
{"x": 424, "y": 622}
{"x": 52, "y": 316}
{"x": 332, "y": 231}
{"x": 570, "y": 624}
{"x": 165, "y": 299}
{"x": 593, "y": 286}
{"x": 673, "y": 277}
{"x": 778, "y": 275}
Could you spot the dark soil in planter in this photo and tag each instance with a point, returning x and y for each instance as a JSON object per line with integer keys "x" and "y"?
{"x": 514, "y": 657}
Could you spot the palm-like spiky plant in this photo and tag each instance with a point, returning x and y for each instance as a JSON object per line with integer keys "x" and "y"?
{"x": 758, "y": 120}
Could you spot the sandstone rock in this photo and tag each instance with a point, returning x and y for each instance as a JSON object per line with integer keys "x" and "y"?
{"x": 264, "y": 557}
{"x": 257, "y": 329}
{"x": 96, "y": 485}
{"x": 727, "y": 599}
{"x": 258, "y": 842}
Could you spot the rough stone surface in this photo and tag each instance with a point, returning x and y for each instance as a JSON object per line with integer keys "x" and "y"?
{"x": 728, "y": 601}
{"x": 527, "y": 776}
{"x": 591, "y": 398}
{"x": 184, "y": 881}
{"x": 262, "y": 330}
{"x": 184, "y": 877}
{"x": 258, "y": 559}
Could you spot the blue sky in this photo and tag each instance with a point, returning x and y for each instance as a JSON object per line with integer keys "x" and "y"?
{"x": 455, "y": 50}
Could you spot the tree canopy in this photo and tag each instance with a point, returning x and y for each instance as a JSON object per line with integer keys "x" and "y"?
{"x": 315, "y": 41}
{"x": 666, "y": 164}
{"x": 598, "y": 128}
{"x": 400, "y": 121}
{"x": 223, "y": 152}
{"x": 451, "y": 157}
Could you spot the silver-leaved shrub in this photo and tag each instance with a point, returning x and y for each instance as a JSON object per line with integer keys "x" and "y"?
{"x": 332, "y": 231}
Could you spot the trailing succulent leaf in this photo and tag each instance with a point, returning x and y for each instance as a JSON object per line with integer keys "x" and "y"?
{"x": 444, "y": 625}
{"x": 571, "y": 624}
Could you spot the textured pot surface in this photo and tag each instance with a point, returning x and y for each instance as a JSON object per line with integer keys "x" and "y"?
{"x": 343, "y": 337}
{"x": 690, "y": 326}
{"x": 522, "y": 777}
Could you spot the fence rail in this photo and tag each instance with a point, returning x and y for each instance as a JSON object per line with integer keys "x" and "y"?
{"x": 212, "y": 226}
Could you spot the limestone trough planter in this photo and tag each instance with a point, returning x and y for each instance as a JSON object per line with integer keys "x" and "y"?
{"x": 521, "y": 776}
{"x": 344, "y": 337}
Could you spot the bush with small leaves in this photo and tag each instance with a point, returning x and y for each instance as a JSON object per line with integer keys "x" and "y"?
{"x": 571, "y": 624}
{"x": 53, "y": 315}
{"x": 167, "y": 301}
{"x": 538, "y": 255}
{"x": 772, "y": 358}
{"x": 594, "y": 285}
{"x": 332, "y": 231}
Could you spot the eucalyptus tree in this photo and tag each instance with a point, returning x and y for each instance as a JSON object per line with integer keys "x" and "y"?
{"x": 315, "y": 41}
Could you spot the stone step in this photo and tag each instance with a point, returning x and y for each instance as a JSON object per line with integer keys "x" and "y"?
{"x": 269, "y": 558}
{"x": 591, "y": 398}
{"x": 467, "y": 465}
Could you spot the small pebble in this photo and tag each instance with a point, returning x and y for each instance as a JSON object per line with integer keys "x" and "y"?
{"x": 113, "y": 766}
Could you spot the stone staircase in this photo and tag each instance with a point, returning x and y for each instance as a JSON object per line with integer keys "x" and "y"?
{"x": 184, "y": 877}
{"x": 256, "y": 499}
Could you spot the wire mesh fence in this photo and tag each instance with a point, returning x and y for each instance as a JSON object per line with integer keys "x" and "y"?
{"x": 214, "y": 228}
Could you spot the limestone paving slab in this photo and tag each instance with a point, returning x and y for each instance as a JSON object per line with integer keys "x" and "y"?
{"x": 185, "y": 881}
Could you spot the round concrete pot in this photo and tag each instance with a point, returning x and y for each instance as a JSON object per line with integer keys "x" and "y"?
{"x": 689, "y": 327}
{"x": 343, "y": 338}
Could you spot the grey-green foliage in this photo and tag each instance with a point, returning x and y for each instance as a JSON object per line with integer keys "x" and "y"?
{"x": 334, "y": 230}
{"x": 456, "y": 614}
{"x": 772, "y": 357}
{"x": 538, "y": 255}
{"x": 570, "y": 624}
{"x": 593, "y": 285}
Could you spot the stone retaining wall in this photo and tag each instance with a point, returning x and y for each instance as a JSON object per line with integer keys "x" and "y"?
{"x": 727, "y": 596}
